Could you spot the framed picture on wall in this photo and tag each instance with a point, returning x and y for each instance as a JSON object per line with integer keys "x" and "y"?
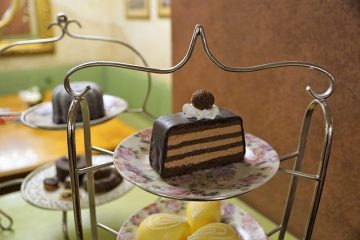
{"x": 164, "y": 7}
{"x": 25, "y": 20}
{"x": 137, "y": 9}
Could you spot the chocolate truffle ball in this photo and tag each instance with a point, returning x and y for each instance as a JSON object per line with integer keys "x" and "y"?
{"x": 202, "y": 99}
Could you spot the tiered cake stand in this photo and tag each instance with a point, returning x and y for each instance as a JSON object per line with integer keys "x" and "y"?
{"x": 261, "y": 160}
{"x": 260, "y": 164}
{"x": 32, "y": 190}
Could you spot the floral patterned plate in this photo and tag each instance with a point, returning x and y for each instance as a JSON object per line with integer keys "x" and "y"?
{"x": 40, "y": 116}
{"x": 33, "y": 192}
{"x": 131, "y": 158}
{"x": 245, "y": 225}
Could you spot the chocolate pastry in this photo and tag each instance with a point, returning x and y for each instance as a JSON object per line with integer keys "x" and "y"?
{"x": 61, "y": 101}
{"x": 62, "y": 167}
{"x": 51, "y": 184}
{"x": 105, "y": 180}
{"x": 202, "y": 99}
{"x": 102, "y": 173}
{"x": 182, "y": 143}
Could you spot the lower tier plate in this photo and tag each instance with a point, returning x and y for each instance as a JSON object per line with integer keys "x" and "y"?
{"x": 131, "y": 158}
{"x": 40, "y": 116}
{"x": 244, "y": 224}
{"x": 33, "y": 192}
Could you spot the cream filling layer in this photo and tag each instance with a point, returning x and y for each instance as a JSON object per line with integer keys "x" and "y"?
{"x": 176, "y": 139}
{"x": 201, "y": 146}
{"x": 204, "y": 157}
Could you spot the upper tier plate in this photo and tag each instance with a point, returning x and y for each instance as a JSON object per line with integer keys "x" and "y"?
{"x": 32, "y": 189}
{"x": 40, "y": 116}
{"x": 244, "y": 224}
{"x": 131, "y": 158}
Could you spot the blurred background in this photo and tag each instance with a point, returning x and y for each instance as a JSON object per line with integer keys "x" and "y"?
{"x": 239, "y": 33}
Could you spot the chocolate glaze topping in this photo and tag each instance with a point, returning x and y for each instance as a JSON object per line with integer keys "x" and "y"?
{"x": 61, "y": 101}
{"x": 177, "y": 124}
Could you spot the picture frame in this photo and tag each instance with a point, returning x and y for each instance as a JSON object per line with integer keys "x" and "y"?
{"x": 164, "y": 8}
{"x": 25, "y": 20}
{"x": 137, "y": 9}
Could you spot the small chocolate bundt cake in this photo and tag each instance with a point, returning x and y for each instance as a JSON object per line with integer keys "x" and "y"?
{"x": 61, "y": 101}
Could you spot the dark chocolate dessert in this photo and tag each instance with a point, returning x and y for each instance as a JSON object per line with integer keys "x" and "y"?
{"x": 61, "y": 101}
{"x": 62, "y": 167}
{"x": 196, "y": 138}
{"x": 105, "y": 180}
{"x": 51, "y": 184}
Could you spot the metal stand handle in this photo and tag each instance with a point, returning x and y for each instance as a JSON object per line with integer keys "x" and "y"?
{"x": 318, "y": 99}
{"x": 65, "y": 225}
{"x": 200, "y": 33}
{"x": 296, "y": 172}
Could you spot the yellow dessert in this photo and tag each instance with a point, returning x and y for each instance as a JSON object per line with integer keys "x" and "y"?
{"x": 202, "y": 213}
{"x": 163, "y": 226}
{"x": 215, "y": 231}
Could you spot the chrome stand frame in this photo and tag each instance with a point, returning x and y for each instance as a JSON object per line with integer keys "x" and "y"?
{"x": 296, "y": 172}
{"x": 319, "y": 100}
{"x": 79, "y": 101}
{"x": 65, "y": 225}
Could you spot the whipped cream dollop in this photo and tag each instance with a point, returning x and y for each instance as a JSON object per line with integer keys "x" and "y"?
{"x": 190, "y": 111}
{"x": 31, "y": 95}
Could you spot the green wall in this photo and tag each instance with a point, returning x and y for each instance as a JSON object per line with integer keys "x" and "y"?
{"x": 13, "y": 81}
{"x": 133, "y": 85}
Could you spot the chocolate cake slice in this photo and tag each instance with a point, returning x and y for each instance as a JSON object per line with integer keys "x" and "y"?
{"x": 182, "y": 144}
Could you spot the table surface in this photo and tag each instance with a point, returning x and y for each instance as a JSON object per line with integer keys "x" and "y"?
{"x": 23, "y": 149}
